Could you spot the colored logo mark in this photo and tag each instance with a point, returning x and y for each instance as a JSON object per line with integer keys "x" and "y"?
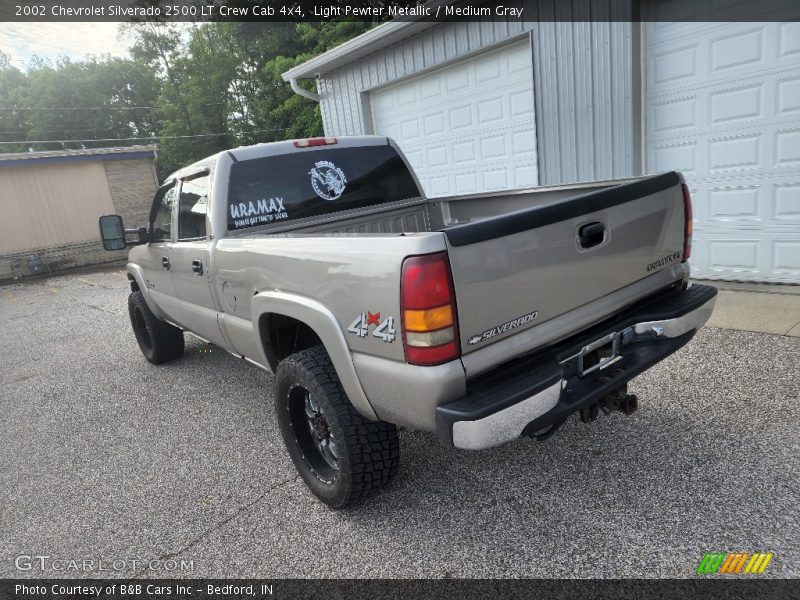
{"x": 734, "y": 563}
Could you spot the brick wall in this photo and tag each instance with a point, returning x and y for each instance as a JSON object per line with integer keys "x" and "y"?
{"x": 56, "y": 258}
{"x": 133, "y": 185}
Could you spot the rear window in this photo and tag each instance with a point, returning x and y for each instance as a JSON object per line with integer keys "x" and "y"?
{"x": 315, "y": 182}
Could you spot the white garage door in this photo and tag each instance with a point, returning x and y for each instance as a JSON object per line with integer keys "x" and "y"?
{"x": 468, "y": 127}
{"x": 724, "y": 108}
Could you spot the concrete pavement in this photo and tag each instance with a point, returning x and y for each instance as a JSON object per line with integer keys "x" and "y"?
{"x": 760, "y": 308}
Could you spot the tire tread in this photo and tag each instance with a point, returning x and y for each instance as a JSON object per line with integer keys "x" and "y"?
{"x": 372, "y": 447}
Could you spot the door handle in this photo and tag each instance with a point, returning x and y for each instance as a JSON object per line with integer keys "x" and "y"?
{"x": 165, "y": 262}
{"x": 591, "y": 234}
{"x": 197, "y": 267}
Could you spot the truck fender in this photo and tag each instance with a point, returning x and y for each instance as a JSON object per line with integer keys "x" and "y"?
{"x": 138, "y": 276}
{"x": 324, "y": 324}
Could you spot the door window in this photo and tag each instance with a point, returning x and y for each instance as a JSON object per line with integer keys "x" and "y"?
{"x": 161, "y": 214}
{"x": 192, "y": 208}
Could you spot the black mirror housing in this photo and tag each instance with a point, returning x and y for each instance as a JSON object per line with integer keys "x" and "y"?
{"x": 135, "y": 237}
{"x": 112, "y": 232}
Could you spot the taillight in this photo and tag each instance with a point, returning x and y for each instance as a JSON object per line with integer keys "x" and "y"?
{"x": 428, "y": 307}
{"x": 687, "y": 223}
{"x": 321, "y": 141}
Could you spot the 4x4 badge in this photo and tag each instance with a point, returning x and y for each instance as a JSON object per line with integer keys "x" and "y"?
{"x": 383, "y": 329}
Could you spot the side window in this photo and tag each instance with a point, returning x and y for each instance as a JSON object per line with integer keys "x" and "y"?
{"x": 161, "y": 214}
{"x": 192, "y": 208}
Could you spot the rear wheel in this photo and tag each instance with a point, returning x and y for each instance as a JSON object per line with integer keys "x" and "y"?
{"x": 341, "y": 456}
{"x": 159, "y": 341}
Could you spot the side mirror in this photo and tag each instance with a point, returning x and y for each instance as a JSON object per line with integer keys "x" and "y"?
{"x": 112, "y": 232}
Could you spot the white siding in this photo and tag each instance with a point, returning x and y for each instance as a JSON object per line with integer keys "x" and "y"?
{"x": 587, "y": 118}
{"x": 52, "y": 204}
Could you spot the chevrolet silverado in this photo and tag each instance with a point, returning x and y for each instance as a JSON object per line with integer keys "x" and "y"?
{"x": 481, "y": 318}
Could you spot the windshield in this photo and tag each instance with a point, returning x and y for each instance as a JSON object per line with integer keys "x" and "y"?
{"x": 317, "y": 182}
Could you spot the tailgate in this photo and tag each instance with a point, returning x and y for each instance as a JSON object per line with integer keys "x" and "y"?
{"x": 520, "y": 269}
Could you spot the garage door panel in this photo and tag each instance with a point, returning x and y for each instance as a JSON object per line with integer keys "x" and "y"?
{"x": 510, "y": 149}
{"x": 750, "y": 106}
{"x": 786, "y": 257}
{"x": 674, "y": 65}
{"x": 468, "y": 127}
{"x": 711, "y": 53}
{"x": 473, "y": 181}
{"x": 788, "y": 104}
{"x": 723, "y": 105}
{"x": 734, "y": 204}
{"x": 512, "y": 99}
{"x": 746, "y": 255}
{"x": 787, "y": 147}
{"x": 756, "y": 202}
{"x": 736, "y": 104}
{"x": 412, "y": 92}
{"x": 523, "y": 138}
{"x": 737, "y": 152}
{"x": 789, "y": 36}
{"x": 786, "y": 204}
{"x": 485, "y": 166}
{"x": 675, "y": 156}
{"x": 737, "y": 48}
{"x": 734, "y": 255}
{"x": 771, "y": 153}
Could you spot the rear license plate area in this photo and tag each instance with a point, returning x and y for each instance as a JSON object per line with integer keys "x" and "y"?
{"x": 599, "y": 354}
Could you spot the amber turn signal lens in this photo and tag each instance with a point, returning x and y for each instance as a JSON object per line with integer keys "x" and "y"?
{"x": 429, "y": 320}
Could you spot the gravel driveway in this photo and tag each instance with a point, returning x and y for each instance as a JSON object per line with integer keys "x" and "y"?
{"x": 104, "y": 456}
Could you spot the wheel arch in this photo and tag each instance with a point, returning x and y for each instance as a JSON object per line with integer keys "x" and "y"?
{"x": 137, "y": 282}
{"x": 276, "y": 316}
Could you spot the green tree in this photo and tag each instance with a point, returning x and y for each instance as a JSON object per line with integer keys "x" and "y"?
{"x": 194, "y": 89}
{"x": 13, "y": 122}
{"x": 97, "y": 99}
{"x": 295, "y": 115}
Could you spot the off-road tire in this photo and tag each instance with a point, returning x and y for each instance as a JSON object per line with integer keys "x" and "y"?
{"x": 367, "y": 452}
{"x": 159, "y": 341}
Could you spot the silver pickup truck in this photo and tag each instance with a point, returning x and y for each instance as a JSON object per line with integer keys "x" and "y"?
{"x": 481, "y": 318}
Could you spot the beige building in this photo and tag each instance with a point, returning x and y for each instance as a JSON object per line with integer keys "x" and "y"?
{"x": 51, "y": 202}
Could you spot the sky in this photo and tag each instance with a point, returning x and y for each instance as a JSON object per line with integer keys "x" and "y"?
{"x": 50, "y": 40}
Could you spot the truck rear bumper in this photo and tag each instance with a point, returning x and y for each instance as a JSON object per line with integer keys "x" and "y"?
{"x": 544, "y": 388}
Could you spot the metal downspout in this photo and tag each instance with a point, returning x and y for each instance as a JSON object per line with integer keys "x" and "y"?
{"x": 302, "y": 91}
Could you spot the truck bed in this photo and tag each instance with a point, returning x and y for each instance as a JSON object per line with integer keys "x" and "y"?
{"x": 419, "y": 215}
{"x": 519, "y": 265}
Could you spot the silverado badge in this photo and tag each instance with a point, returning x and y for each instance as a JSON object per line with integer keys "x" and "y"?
{"x": 508, "y": 326}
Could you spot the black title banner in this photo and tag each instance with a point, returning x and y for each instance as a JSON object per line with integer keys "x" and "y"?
{"x": 398, "y": 10}
{"x": 712, "y": 588}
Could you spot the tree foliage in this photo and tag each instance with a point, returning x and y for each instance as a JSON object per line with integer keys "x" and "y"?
{"x": 192, "y": 89}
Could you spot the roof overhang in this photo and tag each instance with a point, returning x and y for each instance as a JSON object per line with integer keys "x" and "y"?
{"x": 49, "y": 156}
{"x": 367, "y": 43}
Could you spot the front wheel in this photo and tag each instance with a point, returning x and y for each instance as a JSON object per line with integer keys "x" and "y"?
{"x": 158, "y": 341}
{"x": 340, "y": 455}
